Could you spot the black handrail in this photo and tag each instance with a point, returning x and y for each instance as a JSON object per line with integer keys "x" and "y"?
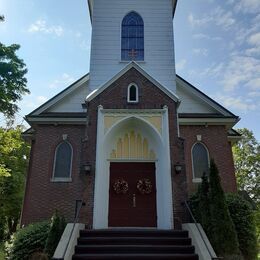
{"x": 78, "y": 206}
{"x": 197, "y": 226}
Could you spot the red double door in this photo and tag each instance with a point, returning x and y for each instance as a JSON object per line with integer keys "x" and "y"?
{"x": 132, "y": 195}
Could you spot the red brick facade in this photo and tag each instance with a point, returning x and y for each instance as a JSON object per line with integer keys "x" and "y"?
{"x": 44, "y": 196}
{"x": 215, "y": 139}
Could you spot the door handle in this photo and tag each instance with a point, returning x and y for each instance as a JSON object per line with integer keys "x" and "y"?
{"x": 134, "y": 201}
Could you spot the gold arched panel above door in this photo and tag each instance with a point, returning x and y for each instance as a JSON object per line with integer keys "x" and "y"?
{"x": 132, "y": 145}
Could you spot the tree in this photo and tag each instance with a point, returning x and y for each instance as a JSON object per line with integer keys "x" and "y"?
{"x": 242, "y": 215}
{"x": 2, "y": 18}
{"x": 12, "y": 79}
{"x": 204, "y": 204}
{"x": 247, "y": 164}
{"x": 13, "y": 166}
{"x": 222, "y": 231}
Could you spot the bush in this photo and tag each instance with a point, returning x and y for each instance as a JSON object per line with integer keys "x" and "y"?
{"x": 222, "y": 231}
{"x": 56, "y": 229}
{"x": 243, "y": 219}
{"x": 211, "y": 210}
{"x": 27, "y": 241}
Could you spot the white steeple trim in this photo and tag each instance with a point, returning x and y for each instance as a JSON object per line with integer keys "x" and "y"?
{"x": 91, "y": 5}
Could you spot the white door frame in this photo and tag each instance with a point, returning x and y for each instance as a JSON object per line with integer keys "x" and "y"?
{"x": 160, "y": 144}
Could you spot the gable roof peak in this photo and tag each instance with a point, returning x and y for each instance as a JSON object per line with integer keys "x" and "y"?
{"x": 130, "y": 65}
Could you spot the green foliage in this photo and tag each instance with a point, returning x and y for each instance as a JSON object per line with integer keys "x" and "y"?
{"x": 2, "y": 18}
{"x": 204, "y": 203}
{"x": 36, "y": 241}
{"x": 243, "y": 219}
{"x": 2, "y": 228}
{"x": 13, "y": 160}
{"x": 210, "y": 209}
{"x": 247, "y": 164}
{"x": 257, "y": 225}
{"x": 2, "y": 254}
{"x": 221, "y": 228}
{"x": 57, "y": 227}
{"x": 27, "y": 241}
{"x": 12, "y": 79}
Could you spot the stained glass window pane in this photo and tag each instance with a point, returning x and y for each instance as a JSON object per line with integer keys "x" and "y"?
{"x": 63, "y": 161}
{"x": 200, "y": 160}
{"x": 132, "y": 42}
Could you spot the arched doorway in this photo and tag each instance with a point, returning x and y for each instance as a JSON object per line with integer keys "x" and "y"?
{"x": 135, "y": 145}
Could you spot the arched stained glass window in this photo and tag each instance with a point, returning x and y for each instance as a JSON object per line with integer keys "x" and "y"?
{"x": 132, "y": 41}
{"x": 200, "y": 160}
{"x": 62, "y": 161}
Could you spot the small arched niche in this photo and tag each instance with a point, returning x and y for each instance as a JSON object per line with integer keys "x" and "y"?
{"x": 132, "y": 93}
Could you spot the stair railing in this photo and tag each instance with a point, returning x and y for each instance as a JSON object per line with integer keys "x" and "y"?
{"x": 186, "y": 204}
{"x": 78, "y": 206}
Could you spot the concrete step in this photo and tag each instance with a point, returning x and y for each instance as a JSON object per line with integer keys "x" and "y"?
{"x": 133, "y": 249}
{"x": 134, "y": 240}
{"x": 133, "y": 233}
{"x": 136, "y": 256}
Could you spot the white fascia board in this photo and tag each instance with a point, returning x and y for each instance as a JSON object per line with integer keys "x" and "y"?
{"x": 59, "y": 96}
{"x": 230, "y": 122}
{"x": 91, "y": 4}
{"x": 132, "y": 111}
{"x": 90, "y": 8}
{"x": 174, "y": 5}
{"x": 234, "y": 139}
{"x": 134, "y": 65}
{"x": 202, "y": 97}
{"x": 50, "y": 120}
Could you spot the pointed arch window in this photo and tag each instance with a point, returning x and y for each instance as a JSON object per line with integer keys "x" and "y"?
{"x": 132, "y": 93}
{"x": 200, "y": 161}
{"x": 132, "y": 37}
{"x": 63, "y": 162}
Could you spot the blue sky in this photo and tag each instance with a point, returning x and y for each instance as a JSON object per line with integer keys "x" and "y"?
{"x": 217, "y": 49}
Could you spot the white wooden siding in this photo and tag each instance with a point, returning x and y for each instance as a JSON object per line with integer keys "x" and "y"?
{"x": 158, "y": 40}
{"x": 72, "y": 102}
{"x": 192, "y": 104}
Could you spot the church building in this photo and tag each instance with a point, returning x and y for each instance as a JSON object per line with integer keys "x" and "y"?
{"x": 130, "y": 138}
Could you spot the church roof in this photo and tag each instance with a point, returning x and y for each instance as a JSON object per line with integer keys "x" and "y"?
{"x": 91, "y": 4}
{"x": 195, "y": 107}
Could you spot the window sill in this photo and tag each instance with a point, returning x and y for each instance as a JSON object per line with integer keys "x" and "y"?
{"x": 128, "y": 61}
{"x": 132, "y": 102}
{"x": 61, "y": 180}
{"x": 197, "y": 180}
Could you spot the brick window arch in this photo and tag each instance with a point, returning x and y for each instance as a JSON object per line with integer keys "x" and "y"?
{"x": 200, "y": 160}
{"x": 63, "y": 162}
{"x": 132, "y": 37}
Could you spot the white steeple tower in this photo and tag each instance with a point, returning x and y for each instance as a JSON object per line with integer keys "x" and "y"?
{"x": 126, "y": 30}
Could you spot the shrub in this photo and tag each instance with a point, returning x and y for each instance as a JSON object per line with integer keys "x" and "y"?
{"x": 204, "y": 204}
{"x": 56, "y": 229}
{"x": 28, "y": 241}
{"x": 243, "y": 219}
{"x": 211, "y": 210}
{"x": 222, "y": 231}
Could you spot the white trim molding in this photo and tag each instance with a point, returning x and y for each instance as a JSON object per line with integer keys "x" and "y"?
{"x": 129, "y": 93}
{"x": 130, "y": 65}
